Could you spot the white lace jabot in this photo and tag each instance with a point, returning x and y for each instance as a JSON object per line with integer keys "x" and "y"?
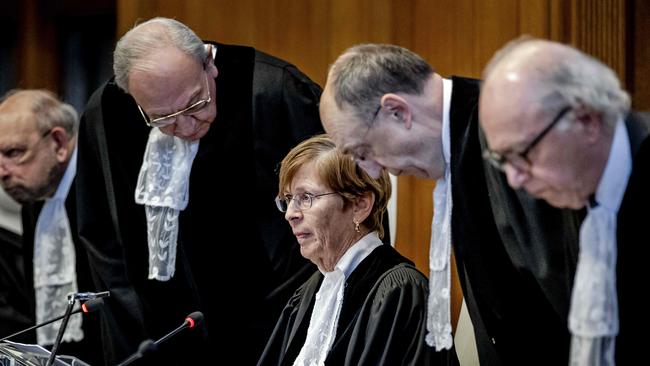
{"x": 163, "y": 187}
{"x": 55, "y": 270}
{"x": 593, "y": 317}
{"x": 438, "y": 310}
{"x": 329, "y": 300}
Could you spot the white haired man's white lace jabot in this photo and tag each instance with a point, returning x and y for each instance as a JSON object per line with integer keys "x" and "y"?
{"x": 163, "y": 187}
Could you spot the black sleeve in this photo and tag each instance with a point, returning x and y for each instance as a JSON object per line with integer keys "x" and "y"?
{"x": 392, "y": 324}
{"x": 274, "y": 350}
{"x": 285, "y": 112}
{"x": 539, "y": 239}
{"x": 15, "y": 313}
{"x": 98, "y": 228}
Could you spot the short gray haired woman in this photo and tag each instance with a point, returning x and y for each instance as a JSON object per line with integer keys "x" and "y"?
{"x": 366, "y": 305}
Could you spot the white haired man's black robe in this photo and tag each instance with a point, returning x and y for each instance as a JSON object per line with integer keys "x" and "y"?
{"x": 237, "y": 261}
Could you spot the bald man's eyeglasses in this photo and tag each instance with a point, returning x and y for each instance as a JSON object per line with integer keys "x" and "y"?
{"x": 520, "y": 159}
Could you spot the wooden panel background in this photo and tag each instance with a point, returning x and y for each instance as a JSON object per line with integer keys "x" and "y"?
{"x": 455, "y": 36}
{"x": 638, "y": 53}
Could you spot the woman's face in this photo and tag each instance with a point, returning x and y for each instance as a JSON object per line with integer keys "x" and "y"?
{"x": 324, "y": 231}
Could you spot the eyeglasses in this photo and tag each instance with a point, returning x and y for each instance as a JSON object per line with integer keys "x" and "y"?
{"x": 170, "y": 118}
{"x": 520, "y": 159}
{"x": 18, "y": 155}
{"x": 303, "y": 200}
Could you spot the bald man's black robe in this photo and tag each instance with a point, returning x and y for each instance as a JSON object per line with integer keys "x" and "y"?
{"x": 237, "y": 260}
{"x": 516, "y": 255}
{"x": 633, "y": 247}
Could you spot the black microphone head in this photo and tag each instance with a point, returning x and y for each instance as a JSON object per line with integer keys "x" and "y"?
{"x": 92, "y": 305}
{"x": 194, "y": 319}
{"x": 147, "y": 346}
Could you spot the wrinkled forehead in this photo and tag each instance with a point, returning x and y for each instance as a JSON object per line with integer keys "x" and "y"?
{"x": 166, "y": 95}
{"x": 164, "y": 75}
{"x": 509, "y": 93}
{"x": 509, "y": 113}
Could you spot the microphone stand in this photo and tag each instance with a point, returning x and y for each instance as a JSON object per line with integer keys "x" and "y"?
{"x": 148, "y": 346}
{"x": 172, "y": 333}
{"x": 39, "y": 325}
{"x": 87, "y": 307}
{"x": 59, "y": 336}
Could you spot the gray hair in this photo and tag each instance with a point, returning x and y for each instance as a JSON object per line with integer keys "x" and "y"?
{"x": 134, "y": 48}
{"x": 48, "y": 110}
{"x": 364, "y": 73}
{"x": 574, "y": 78}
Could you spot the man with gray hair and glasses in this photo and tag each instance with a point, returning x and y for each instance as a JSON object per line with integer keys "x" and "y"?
{"x": 222, "y": 117}
{"x": 38, "y": 160}
{"x": 515, "y": 255}
{"x": 559, "y": 125}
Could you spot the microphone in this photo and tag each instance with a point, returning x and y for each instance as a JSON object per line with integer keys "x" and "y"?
{"x": 191, "y": 321}
{"x": 72, "y": 298}
{"x": 85, "y": 296}
{"x": 87, "y": 307}
{"x": 147, "y": 346}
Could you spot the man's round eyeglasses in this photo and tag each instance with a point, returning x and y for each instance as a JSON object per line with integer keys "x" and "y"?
{"x": 171, "y": 118}
{"x": 520, "y": 159}
{"x": 302, "y": 200}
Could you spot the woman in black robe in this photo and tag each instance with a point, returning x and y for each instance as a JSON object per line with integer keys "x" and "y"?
{"x": 366, "y": 304}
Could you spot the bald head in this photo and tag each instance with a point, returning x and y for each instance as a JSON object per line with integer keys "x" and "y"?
{"x": 549, "y": 74}
{"x": 526, "y": 52}
{"x": 548, "y": 112}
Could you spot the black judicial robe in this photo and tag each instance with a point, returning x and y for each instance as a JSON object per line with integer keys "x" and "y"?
{"x": 634, "y": 248}
{"x": 382, "y": 320}
{"x": 516, "y": 255}
{"x": 237, "y": 259}
{"x": 89, "y": 349}
{"x": 14, "y": 303}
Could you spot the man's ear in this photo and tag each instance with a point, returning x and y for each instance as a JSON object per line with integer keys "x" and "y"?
{"x": 591, "y": 122}
{"x": 397, "y": 108}
{"x": 210, "y": 67}
{"x": 62, "y": 146}
{"x": 212, "y": 70}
